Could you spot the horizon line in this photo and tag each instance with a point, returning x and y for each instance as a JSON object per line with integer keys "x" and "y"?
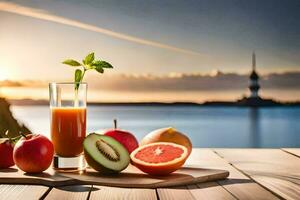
{"x": 207, "y": 102}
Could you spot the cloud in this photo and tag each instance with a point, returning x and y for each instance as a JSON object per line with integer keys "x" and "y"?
{"x": 43, "y": 15}
{"x": 177, "y": 82}
{"x": 9, "y": 83}
{"x": 283, "y": 80}
{"x": 193, "y": 82}
{"x": 23, "y": 83}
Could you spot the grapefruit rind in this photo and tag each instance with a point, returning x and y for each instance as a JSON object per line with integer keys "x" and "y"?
{"x": 168, "y": 134}
{"x": 162, "y": 168}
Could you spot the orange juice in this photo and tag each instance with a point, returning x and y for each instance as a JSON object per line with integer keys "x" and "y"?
{"x": 68, "y": 129}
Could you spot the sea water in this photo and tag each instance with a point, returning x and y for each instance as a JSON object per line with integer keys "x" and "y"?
{"x": 206, "y": 126}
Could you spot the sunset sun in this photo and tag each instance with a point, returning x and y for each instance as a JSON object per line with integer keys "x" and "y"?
{"x": 4, "y": 74}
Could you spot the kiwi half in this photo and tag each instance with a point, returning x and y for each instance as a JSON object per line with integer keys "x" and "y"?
{"x": 105, "y": 154}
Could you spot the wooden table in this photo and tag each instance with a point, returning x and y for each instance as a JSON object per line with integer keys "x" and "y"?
{"x": 254, "y": 174}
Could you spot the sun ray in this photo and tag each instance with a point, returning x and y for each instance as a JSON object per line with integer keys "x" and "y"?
{"x": 43, "y": 15}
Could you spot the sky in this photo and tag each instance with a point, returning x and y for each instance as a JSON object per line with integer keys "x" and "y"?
{"x": 152, "y": 39}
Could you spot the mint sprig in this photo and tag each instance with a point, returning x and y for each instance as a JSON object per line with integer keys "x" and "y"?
{"x": 71, "y": 62}
{"x": 88, "y": 63}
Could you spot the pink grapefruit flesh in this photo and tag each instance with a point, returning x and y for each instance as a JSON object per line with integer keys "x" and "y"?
{"x": 159, "y": 158}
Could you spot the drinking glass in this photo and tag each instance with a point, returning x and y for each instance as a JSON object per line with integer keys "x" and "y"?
{"x": 68, "y": 124}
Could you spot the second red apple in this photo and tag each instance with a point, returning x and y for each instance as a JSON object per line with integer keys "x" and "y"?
{"x": 125, "y": 138}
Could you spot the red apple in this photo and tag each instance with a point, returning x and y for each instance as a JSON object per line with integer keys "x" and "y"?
{"x": 125, "y": 138}
{"x": 6, "y": 153}
{"x": 33, "y": 153}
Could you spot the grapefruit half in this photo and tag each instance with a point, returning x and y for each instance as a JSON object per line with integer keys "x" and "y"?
{"x": 159, "y": 158}
{"x": 168, "y": 134}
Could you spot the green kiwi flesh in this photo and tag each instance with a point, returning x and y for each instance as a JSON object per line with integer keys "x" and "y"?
{"x": 105, "y": 154}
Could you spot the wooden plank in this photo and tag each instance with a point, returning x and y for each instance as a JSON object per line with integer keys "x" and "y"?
{"x": 294, "y": 151}
{"x": 181, "y": 193}
{"x": 237, "y": 184}
{"x": 130, "y": 177}
{"x": 76, "y": 192}
{"x": 134, "y": 178}
{"x": 103, "y": 192}
{"x": 210, "y": 190}
{"x": 273, "y": 168}
{"x": 15, "y": 192}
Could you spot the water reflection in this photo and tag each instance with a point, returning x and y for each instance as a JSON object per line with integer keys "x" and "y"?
{"x": 207, "y": 127}
{"x": 254, "y": 133}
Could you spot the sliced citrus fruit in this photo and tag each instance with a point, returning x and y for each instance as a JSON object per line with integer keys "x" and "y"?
{"x": 159, "y": 158}
{"x": 168, "y": 134}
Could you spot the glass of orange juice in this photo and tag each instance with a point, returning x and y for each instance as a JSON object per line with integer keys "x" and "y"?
{"x": 68, "y": 124}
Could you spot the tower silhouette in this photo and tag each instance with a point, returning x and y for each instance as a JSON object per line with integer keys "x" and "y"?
{"x": 254, "y": 85}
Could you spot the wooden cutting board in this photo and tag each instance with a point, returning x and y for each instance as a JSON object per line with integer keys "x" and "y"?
{"x": 130, "y": 178}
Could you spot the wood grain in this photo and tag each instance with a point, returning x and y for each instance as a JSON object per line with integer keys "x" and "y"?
{"x": 76, "y": 192}
{"x": 103, "y": 192}
{"x": 294, "y": 151}
{"x": 273, "y": 168}
{"x": 131, "y": 177}
{"x": 181, "y": 193}
{"x": 210, "y": 190}
{"x": 48, "y": 178}
{"x": 237, "y": 184}
{"x": 21, "y": 192}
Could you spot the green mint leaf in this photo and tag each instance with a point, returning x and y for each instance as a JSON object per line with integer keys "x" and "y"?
{"x": 102, "y": 64}
{"x": 78, "y": 75}
{"x": 105, "y": 64}
{"x": 99, "y": 69}
{"x": 96, "y": 62}
{"x": 71, "y": 62}
{"x": 89, "y": 58}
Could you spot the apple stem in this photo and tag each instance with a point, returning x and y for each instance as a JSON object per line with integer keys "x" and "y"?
{"x": 115, "y": 123}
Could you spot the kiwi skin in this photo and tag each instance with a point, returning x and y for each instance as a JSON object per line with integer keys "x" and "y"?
{"x": 96, "y": 166}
